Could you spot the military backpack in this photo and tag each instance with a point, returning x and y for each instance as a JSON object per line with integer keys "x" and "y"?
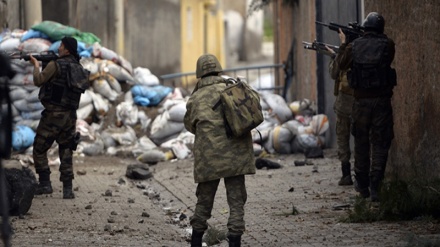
{"x": 241, "y": 107}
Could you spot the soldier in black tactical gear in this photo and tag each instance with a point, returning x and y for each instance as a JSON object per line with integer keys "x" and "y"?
{"x": 61, "y": 84}
{"x": 369, "y": 59}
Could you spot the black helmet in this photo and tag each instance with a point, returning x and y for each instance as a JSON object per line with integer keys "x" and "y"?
{"x": 375, "y": 22}
{"x": 207, "y": 64}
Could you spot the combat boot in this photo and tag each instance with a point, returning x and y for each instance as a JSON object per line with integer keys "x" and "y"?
{"x": 68, "y": 190}
{"x": 234, "y": 240}
{"x": 374, "y": 188}
{"x": 361, "y": 185}
{"x": 44, "y": 185}
{"x": 196, "y": 238}
{"x": 346, "y": 174}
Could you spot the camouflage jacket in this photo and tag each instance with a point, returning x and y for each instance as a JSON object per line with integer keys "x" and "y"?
{"x": 215, "y": 156}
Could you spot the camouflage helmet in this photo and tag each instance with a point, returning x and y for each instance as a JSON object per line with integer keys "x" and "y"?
{"x": 374, "y": 21}
{"x": 207, "y": 64}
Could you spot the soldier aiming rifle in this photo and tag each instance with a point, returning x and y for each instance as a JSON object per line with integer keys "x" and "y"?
{"x": 45, "y": 57}
{"x": 352, "y": 31}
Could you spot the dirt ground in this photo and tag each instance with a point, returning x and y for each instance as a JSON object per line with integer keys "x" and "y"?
{"x": 112, "y": 210}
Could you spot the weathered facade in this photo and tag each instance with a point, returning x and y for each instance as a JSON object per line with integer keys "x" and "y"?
{"x": 414, "y": 25}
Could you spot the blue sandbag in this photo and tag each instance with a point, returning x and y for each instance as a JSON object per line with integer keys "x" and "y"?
{"x": 31, "y": 33}
{"x": 22, "y": 137}
{"x": 154, "y": 93}
{"x": 142, "y": 101}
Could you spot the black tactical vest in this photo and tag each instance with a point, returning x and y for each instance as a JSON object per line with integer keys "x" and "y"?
{"x": 59, "y": 91}
{"x": 371, "y": 63}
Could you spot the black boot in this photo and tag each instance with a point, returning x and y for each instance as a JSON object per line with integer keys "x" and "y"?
{"x": 234, "y": 240}
{"x": 375, "y": 189}
{"x": 196, "y": 238}
{"x": 361, "y": 185}
{"x": 346, "y": 174}
{"x": 68, "y": 190}
{"x": 44, "y": 186}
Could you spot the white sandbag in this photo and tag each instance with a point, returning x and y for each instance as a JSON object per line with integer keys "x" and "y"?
{"x": 23, "y": 105}
{"x": 179, "y": 149}
{"x": 101, "y": 105}
{"x": 33, "y": 96}
{"x": 146, "y": 143}
{"x": 258, "y": 149}
{"x": 85, "y": 111}
{"x": 159, "y": 122}
{"x": 18, "y": 93}
{"x": 152, "y": 156}
{"x": 177, "y": 112}
{"x": 260, "y": 136}
{"x": 319, "y": 124}
{"x": 127, "y": 113}
{"x": 119, "y": 73}
{"x": 268, "y": 143}
{"x": 293, "y": 125}
{"x": 278, "y": 106}
{"x": 35, "y": 45}
{"x": 91, "y": 148}
{"x": 102, "y": 87}
{"x": 144, "y": 120}
{"x": 10, "y": 44}
{"x": 128, "y": 97}
{"x": 170, "y": 128}
{"x": 86, "y": 99}
{"x": 109, "y": 142}
{"x": 124, "y": 135}
{"x": 86, "y": 131}
{"x": 114, "y": 84}
{"x": 104, "y": 53}
{"x": 300, "y": 105}
{"x": 143, "y": 76}
{"x": 33, "y": 124}
{"x": 23, "y": 80}
{"x": 282, "y": 138}
{"x": 32, "y": 115}
{"x": 90, "y": 65}
{"x": 303, "y": 141}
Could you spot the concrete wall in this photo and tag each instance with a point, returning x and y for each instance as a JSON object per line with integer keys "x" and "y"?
{"x": 414, "y": 26}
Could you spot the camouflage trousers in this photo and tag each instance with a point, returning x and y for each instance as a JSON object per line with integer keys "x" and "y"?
{"x": 60, "y": 127}
{"x": 236, "y": 196}
{"x": 372, "y": 128}
{"x": 343, "y": 107}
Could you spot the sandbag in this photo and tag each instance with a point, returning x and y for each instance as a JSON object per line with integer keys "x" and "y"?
{"x": 22, "y": 137}
{"x": 35, "y": 45}
{"x": 278, "y": 106}
{"x": 102, "y": 87}
{"x": 143, "y": 76}
{"x": 56, "y": 31}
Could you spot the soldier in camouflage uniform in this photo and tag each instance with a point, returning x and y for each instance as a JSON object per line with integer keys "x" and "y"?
{"x": 342, "y": 107}
{"x": 215, "y": 155}
{"x": 369, "y": 58}
{"x": 58, "y": 117}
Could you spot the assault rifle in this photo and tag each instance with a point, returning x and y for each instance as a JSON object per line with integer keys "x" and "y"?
{"x": 45, "y": 57}
{"x": 320, "y": 47}
{"x": 352, "y": 31}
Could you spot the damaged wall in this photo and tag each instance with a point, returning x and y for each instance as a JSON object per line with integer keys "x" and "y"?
{"x": 414, "y": 28}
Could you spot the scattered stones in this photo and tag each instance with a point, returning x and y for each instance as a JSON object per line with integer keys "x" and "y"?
{"x": 138, "y": 171}
{"x": 108, "y": 193}
{"x": 88, "y": 207}
{"x": 145, "y": 214}
{"x": 81, "y": 172}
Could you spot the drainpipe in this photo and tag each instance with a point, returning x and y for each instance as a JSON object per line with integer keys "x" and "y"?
{"x": 32, "y": 13}
{"x": 119, "y": 26}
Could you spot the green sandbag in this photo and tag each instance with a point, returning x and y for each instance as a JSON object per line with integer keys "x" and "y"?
{"x": 55, "y": 30}
{"x": 87, "y": 38}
